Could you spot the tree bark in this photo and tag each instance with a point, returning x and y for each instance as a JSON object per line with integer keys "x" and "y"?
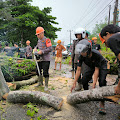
{"x": 90, "y": 95}
{"x": 19, "y": 84}
{"x": 3, "y": 86}
{"x": 35, "y": 97}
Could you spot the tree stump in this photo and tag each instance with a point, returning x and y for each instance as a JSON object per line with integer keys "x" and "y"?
{"x": 4, "y": 90}
{"x": 91, "y": 95}
{"x": 35, "y": 97}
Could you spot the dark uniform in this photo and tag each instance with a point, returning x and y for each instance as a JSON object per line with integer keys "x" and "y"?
{"x": 29, "y": 52}
{"x": 76, "y": 56}
{"x": 97, "y": 60}
{"x": 114, "y": 43}
{"x": 8, "y": 51}
{"x": 97, "y": 47}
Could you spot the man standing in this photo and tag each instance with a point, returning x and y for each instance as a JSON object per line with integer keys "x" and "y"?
{"x": 28, "y": 53}
{"x": 97, "y": 46}
{"x": 0, "y": 47}
{"x": 70, "y": 50}
{"x": 17, "y": 49}
{"x": 58, "y": 58}
{"x": 45, "y": 47}
{"x": 97, "y": 66}
{"x": 80, "y": 35}
{"x": 110, "y": 35}
{"x": 8, "y": 50}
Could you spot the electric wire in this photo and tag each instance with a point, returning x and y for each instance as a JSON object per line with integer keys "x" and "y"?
{"x": 98, "y": 14}
{"x": 83, "y": 17}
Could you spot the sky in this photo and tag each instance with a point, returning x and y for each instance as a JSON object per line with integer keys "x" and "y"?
{"x": 73, "y": 14}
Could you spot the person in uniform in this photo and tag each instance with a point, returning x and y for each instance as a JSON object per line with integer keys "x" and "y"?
{"x": 97, "y": 64}
{"x": 28, "y": 52}
{"x": 80, "y": 35}
{"x": 17, "y": 49}
{"x": 7, "y": 50}
{"x": 45, "y": 47}
{"x": 97, "y": 46}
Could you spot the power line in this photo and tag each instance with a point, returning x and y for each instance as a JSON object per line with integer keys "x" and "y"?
{"x": 87, "y": 13}
{"x": 90, "y": 19}
{"x": 100, "y": 17}
{"x": 103, "y": 16}
{"x": 98, "y": 14}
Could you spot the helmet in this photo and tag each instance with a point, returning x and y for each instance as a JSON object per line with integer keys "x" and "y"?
{"x": 94, "y": 38}
{"x": 80, "y": 31}
{"x": 87, "y": 32}
{"x": 39, "y": 30}
{"x": 59, "y": 41}
{"x": 28, "y": 41}
{"x": 83, "y": 46}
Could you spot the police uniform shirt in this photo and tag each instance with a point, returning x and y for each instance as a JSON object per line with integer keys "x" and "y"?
{"x": 29, "y": 50}
{"x": 41, "y": 45}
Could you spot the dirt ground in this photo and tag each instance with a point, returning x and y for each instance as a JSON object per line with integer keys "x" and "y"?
{"x": 59, "y": 85}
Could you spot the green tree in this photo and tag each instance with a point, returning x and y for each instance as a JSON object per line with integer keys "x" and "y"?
{"x": 98, "y": 27}
{"x": 25, "y": 20}
{"x": 5, "y": 17}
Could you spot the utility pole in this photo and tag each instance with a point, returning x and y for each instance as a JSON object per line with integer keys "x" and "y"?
{"x": 115, "y": 12}
{"x": 109, "y": 15}
{"x": 117, "y": 17}
{"x": 70, "y": 35}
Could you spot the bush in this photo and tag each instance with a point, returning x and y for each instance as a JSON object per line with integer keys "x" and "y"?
{"x": 67, "y": 60}
{"x": 12, "y": 70}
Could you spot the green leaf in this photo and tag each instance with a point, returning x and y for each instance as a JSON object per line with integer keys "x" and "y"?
{"x": 32, "y": 113}
{"x": 29, "y": 105}
{"x": 36, "y": 109}
{"x": 28, "y": 112}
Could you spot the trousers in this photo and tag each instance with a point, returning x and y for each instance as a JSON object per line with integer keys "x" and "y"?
{"x": 87, "y": 76}
{"x": 44, "y": 68}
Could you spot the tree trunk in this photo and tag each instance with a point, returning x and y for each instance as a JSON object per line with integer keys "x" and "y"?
{"x": 3, "y": 86}
{"x": 35, "y": 97}
{"x": 19, "y": 84}
{"x": 21, "y": 38}
{"x": 91, "y": 95}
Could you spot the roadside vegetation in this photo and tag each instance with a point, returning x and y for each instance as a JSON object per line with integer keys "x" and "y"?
{"x": 13, "y": 69}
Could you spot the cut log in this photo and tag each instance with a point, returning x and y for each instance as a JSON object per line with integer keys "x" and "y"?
{"x": 115, "y": 98}
{"x": 19, "y": 84}
{"x": 3, "y": 86}
{"x": 91, "y": 95}
{"x": 35, "y": 97}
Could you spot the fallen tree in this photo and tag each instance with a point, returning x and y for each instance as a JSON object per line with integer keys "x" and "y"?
{"x": 4, "y": 90}
{"x": 35, "y": 97}
{"x": 91, "y": 95}
{"x": 18, "y": 84}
